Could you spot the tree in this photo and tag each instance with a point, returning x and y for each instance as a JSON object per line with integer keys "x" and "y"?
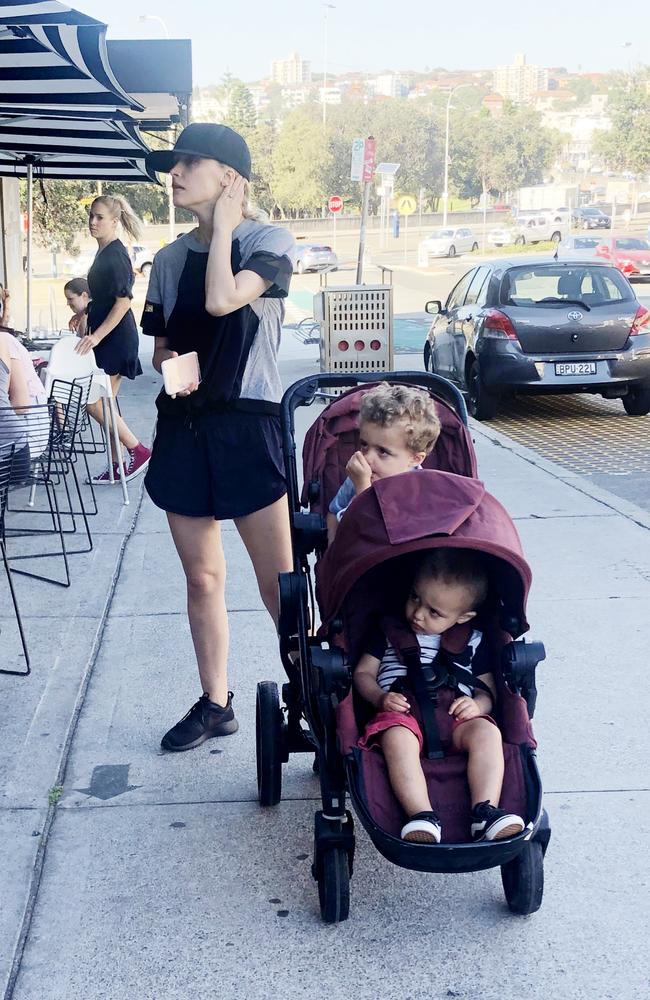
{"x": 626, "y": 146}
{"x": 301, "y": 159}
{"x": 60, "y": 213}
{"x": 241, "y": 107}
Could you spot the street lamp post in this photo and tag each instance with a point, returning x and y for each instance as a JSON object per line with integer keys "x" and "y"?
{"x": 170, "y": 192}
{"x": 326, "y": 6}
{"x": 445, "y": 193}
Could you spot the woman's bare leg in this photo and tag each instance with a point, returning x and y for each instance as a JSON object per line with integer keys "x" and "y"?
{"x": 267, "y": 538}
{"x": 198, "y": 543}
{"x": 126, "y": 436}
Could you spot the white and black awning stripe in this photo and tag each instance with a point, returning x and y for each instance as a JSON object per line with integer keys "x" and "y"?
{"x": 44, "y": 137}
{"x": 52, "y": 57}
{"x": 78, "y": 168}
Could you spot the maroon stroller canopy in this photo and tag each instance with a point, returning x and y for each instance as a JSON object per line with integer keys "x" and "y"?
{"x": 413, "y": 512}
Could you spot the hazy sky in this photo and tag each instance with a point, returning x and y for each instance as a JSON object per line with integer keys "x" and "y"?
{"x": 372, "y": 35}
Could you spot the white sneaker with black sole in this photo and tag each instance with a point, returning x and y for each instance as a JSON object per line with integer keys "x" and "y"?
{"x": 423, "y": 828}
{"x": 490, "y": 823}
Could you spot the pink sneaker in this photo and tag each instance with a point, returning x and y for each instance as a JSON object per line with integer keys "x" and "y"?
{"x": 137, "y": 463}
{"x": 103, "y": 479}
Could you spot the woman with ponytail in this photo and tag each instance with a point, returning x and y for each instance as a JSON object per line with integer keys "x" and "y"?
{"x": 112, "y": 332}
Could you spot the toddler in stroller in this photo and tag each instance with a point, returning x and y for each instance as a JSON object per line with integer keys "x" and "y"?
{"x": 448, "y": 587}
{"x": 386, "y": 533}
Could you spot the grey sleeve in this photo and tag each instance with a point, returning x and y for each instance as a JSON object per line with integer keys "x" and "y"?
{"x": 271, "y": 256}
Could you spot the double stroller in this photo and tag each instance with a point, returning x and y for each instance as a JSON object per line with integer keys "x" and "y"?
{"x": 384, "y": 530}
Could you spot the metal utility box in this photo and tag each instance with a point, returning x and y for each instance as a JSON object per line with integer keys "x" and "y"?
{"x": 356, "y": 328}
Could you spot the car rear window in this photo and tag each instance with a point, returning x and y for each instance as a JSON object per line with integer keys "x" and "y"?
{"x": 585, "y": 242}
{"x": 630, "y": 243}
{"x": 551, "y": 285}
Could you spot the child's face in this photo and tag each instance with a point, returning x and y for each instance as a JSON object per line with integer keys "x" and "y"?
{"x": 433, "y": 606}
{"x": 77, "y": 302}
{"x": 385, "y": 449}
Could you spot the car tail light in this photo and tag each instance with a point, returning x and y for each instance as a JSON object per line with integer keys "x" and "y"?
{"x": 343, "y": 345}
{"x": 359, "y": 345}
{"x": 375, "y": 345}
{"x": 641, "y": 322}
{"x": 497, "y": 325}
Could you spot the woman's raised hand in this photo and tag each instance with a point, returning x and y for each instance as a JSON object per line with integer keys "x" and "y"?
{"x": 228, "y": 208}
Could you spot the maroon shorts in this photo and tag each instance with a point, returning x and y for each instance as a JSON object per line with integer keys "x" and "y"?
{"x": 413, "y": 721}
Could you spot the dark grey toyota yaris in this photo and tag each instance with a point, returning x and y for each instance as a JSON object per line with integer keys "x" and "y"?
{"x": 542, "y": 326}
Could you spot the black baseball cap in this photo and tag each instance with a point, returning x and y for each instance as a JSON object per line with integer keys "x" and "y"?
{"x": 208, "y": 140}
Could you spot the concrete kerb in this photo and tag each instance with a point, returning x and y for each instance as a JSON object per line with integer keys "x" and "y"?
{"x": 617, "y": 504}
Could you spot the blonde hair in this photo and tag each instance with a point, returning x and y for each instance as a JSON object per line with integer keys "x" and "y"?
{"x": 120, "y": 209}
{"x": 386, "y": 405}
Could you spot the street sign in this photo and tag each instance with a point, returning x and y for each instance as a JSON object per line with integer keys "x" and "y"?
{"x": 356, "y": 168}
{"x": 335, "y": 204}
{"x": 369, "y": 156}
{"x": 406, "y": 204}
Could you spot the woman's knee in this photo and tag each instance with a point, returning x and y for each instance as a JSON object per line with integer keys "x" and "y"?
{"x": 204, "y": 581}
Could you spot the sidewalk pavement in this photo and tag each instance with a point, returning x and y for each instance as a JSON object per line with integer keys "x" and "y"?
{"x": 158, "y": 877}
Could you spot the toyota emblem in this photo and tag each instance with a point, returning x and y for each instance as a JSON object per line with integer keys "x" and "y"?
{"x": 575, "y": 315}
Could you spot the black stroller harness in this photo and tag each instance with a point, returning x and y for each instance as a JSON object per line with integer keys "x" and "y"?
{"x": 450, "y": 668}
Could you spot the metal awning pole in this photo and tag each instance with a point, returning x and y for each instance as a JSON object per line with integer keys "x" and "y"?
{"x": 30, "y": 211}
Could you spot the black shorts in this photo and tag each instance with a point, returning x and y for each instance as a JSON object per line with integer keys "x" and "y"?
{"x": 222, "y": 465}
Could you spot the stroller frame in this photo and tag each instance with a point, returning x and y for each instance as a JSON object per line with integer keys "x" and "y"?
{"x": 318, "y": 681}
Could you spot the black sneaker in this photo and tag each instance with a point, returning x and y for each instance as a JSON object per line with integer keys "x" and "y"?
{"x": 203, "y": 721}
{"x": 423, "y": 828}
{"x": 490, "y": 823}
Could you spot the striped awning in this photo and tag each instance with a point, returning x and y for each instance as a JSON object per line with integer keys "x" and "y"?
{"x": 77, "y": 168}
{"x": 54, "y": 58}
{"x": 46, "y": 137}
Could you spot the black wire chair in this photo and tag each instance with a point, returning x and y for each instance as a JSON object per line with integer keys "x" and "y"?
{"x": 6, "y": 463}
{"x": 47, "y": 428}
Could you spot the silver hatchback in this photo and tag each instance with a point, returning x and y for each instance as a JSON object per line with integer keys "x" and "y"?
{"x": 543, "y": 326}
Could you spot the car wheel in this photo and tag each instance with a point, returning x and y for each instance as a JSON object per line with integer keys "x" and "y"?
{"x": 145, "y": 270}
{"x": 452, "y": 251}
{"x": 585, "y": 225}
{"x": 556, "y": 237}
{"x": 482, "y": 403}
{"x": 428, "y": 357}
{"x": 300, "y": 267}
{"x": 474, "y": 247}
{"x": 520, "y": 241}
{"x": 637, "y": 401}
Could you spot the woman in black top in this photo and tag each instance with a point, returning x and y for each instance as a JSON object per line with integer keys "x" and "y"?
{"x": 217, "y": 454}
{"x": 112, "y": 331}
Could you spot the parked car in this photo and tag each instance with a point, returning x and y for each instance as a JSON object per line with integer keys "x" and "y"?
{"x": 578, "y": 247}
{"x": 314, "y": 257}
{"x": 142, "y": 260}
{"x": 78, "y": 266}
{"x": 591, "y": 218}
{"x": 534, "y": 227}
{"x": 542, "y": 326}
{"x": 504, "y": 236}
{"x": 630, "y": 254}
{"x": 448, "y": 242}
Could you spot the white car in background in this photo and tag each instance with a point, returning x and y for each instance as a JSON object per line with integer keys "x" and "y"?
{"x": 448, "y": 242}
{"x": 142, "y": 260}
{"x": 504, "y": 236}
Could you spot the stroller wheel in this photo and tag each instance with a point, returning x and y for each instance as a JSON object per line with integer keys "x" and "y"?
{"x": 334, "y": 886}
{"x": 270, "y": 734}
{"x": 523, "y": 879}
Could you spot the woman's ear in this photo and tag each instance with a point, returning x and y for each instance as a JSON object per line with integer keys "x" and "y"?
{"x": 228, "y": 177}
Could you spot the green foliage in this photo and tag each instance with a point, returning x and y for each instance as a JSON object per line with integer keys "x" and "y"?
{"x": 626, "y": 147}
{"x": 59, "y": 213}
{"x": 301, "y": 159}
{"x": 241, "y": 107}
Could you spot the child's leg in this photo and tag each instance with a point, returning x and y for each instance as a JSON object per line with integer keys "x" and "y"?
{"x": 402, "y": 753}
{"x": 481, "y": 741}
